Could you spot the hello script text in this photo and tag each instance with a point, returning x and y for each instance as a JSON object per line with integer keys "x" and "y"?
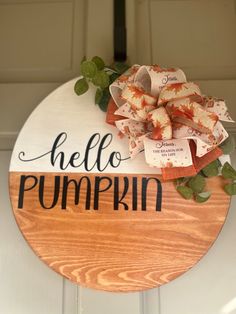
{"x": 86, "y": 189}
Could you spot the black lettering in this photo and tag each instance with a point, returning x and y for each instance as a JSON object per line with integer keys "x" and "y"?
{"x": 22, "y": 189}
{"x": 56, "y": 191}
{"x": 119, "y": 200}
{"x": 134, "y": 193}
{"x": 77, "y": 186}
{"x": 97, "y": 189}
{"x": 102, "y": 146}
{"x": 89, "y": 146}
{"x": 158, "y": 194}
{"x": 115, "y": 156}
{"x": 61, "y": 138}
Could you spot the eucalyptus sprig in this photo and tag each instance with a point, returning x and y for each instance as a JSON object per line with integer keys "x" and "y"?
{"x": 95, "y": 72}
{"x": 194, "y": 187}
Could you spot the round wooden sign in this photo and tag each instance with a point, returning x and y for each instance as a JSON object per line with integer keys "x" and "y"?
{"x": 94, "y": 215}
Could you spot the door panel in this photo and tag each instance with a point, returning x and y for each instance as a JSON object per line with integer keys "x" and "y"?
{"x": 198, "y": 36}
{"x": 92, "y": 301}
{"x": 41, "y": 41}
{"x": 70, "y": 295}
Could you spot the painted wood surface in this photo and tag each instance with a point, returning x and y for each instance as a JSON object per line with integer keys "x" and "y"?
{"x": 121, "y": 250}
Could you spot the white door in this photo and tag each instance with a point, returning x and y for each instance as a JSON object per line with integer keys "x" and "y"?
{"x": 41, "y": 45}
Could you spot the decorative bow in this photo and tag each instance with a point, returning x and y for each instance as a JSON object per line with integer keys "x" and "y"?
{"x": 159, "y": 107}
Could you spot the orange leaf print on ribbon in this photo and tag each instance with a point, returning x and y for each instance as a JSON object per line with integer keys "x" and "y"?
{"x": 213, "y": 117}
{"x": 182, "y": 90}
{"x": 134, "y": 69}
{"x": 157, "y": 132}
{"x": 192, "y": 114}
{"x": 162, "y": 125}
{"x": 161, "y": 132}
{"x": 176, "y": 88}
{"x": 185, "y": 112}
{"x": 123, "y": 78}
{"x": 136, "y": 92}
{"x": 138, "y": 98}
{"x": 158, "y": 69}
{"x": 127, "y": 75}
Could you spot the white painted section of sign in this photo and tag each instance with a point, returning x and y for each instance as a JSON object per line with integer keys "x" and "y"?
{"x": 78, "y": 117}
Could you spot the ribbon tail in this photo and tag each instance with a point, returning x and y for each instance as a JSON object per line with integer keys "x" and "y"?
{"x": 198, "y": 164}
{"x": 111, "y": 117}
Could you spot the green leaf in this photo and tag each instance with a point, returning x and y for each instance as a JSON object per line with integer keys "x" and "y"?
{"x": 228, "y": 146}
{"x": 230, "y": 188}
{"x": 101, "y": 79}
{"x": 202, "y": 197}
{"x": 113, "y": 77}
{"x": 98, "y": 95}
{"x": 120, "y": 67}
{"x": 197, "y": 183}
{"x": 81, "y": 86}
{"x": 228, "y": 172}
{"x": 88, "y": 69}
{"x": 104, "y": 100}
{"x": 180, "y": 181}
{"x": 212, "y": 169}
{"x": 185, "y": 191}
{"x": 99, "y": 62}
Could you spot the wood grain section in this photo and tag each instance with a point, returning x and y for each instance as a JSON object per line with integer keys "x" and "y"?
{"x": 119, "y": 250}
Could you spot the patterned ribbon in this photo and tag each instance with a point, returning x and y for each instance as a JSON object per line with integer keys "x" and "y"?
{"x": 157, "y": 106}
